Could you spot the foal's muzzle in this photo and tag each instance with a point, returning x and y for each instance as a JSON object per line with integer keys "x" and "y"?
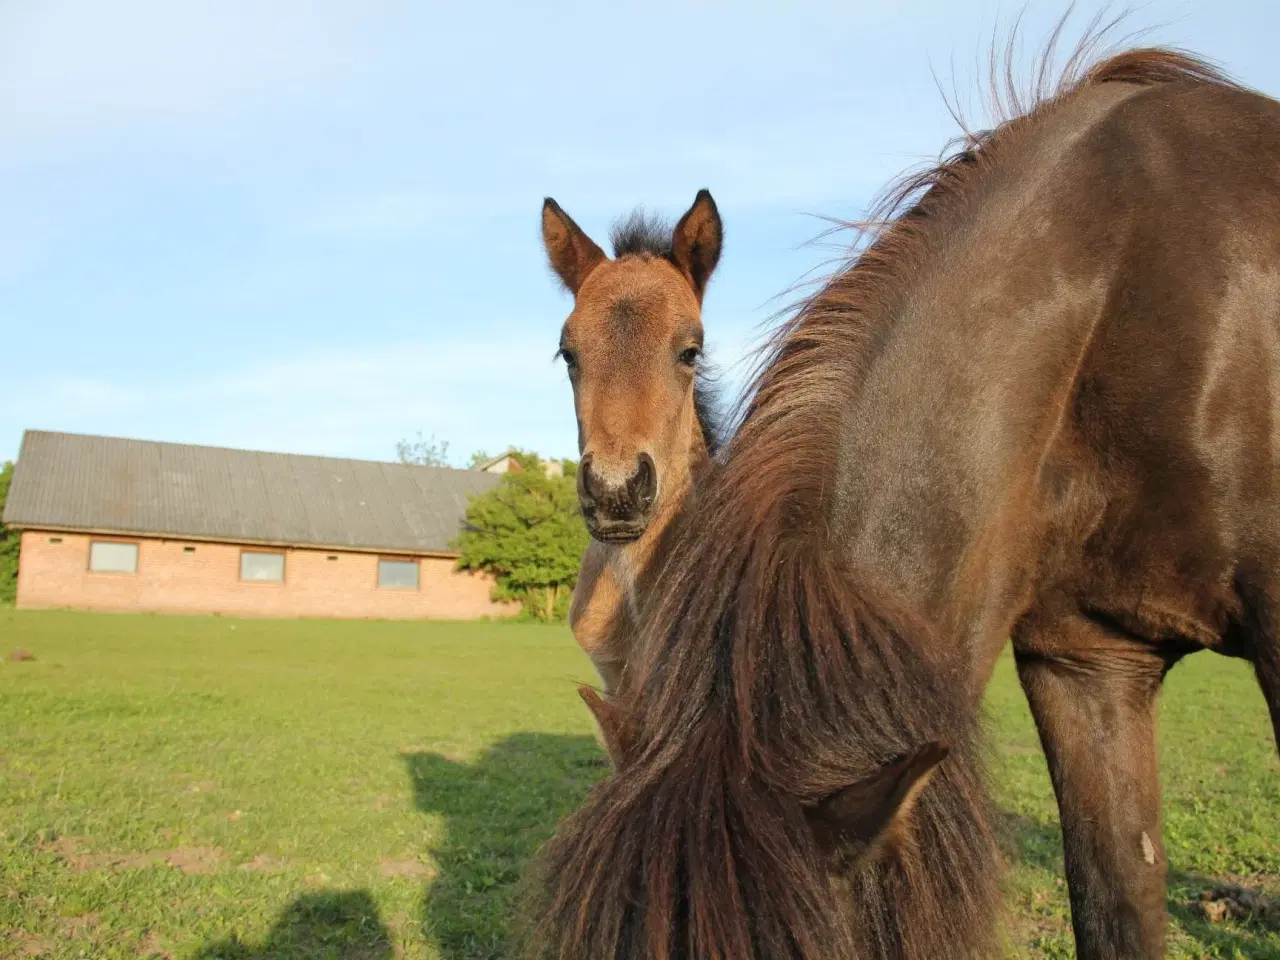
{"x": 617, "y": 511}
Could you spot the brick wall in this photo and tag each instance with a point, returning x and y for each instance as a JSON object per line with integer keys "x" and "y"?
{"x": 182, "y": 577}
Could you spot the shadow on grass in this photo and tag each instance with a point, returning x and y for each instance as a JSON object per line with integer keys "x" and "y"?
{"x": 497, "y": 812}
{"x": 325, "y": 925}
{"x": 1038, "y": 845}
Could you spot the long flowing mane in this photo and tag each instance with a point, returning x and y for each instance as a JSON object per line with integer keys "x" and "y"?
{"x": 770, "y": 675}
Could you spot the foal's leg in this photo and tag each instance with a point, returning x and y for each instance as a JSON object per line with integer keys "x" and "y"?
{"x": 1093, "y": 696}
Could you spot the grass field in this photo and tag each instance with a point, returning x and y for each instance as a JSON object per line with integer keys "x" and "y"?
{"x": 208, "y": 788}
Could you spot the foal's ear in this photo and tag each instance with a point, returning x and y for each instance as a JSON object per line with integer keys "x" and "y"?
{"x": 613, "y": 725}
{"x": 855, "y": 823}
{"x": 572, "y": 253}
{"x": 696, "y": 242}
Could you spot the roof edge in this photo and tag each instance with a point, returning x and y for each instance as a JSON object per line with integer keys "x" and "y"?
{"x": 220, "y": 448}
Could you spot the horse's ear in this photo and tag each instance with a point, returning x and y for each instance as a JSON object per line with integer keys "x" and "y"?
{"x": 857, "y": 822}
{"x": 572, "y": 253}
{"x": 696, "y": 242}
{"x": 613, "y": 725}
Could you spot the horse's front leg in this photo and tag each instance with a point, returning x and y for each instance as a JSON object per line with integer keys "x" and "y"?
{"x": 1093, "y": 695}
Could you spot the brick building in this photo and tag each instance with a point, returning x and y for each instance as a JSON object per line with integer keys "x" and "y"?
{"x": 112, "y": 524}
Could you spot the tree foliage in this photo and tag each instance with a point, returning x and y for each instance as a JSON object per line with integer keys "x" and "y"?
{"x": 423, "y": 452}
{"x": 528, "y": 532}
{"x": 9, "y": 543}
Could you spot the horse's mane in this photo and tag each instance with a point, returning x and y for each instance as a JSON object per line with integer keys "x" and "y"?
{"x": 707, "y": 406}
{"x": 897, "y": 230}
{"x": 769, "y": 675}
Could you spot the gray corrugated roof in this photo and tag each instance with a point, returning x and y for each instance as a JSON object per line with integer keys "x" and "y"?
{"x": 77, "y": 482}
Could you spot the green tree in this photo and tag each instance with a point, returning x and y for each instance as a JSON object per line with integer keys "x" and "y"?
{"x": 423, "y": 452}
{"x": 527, "y": 532}
{"x": 9, "y": 542}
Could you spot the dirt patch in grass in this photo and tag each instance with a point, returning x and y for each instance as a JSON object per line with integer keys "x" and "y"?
{"x": 70, "y": 850}
{"x": 116, "y": 861}
{"x": 80, "y": 926}
{"x": 406, "y": 867}
{"x": 266, "y": 864}
{"x": 20, "y": 655}
{"x": 25, "y": 945}
{"x": 149, "y": 946}
{"x": 195, "y": 859}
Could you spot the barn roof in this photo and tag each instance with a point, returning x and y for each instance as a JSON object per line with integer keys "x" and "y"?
{"x": 94, "y": 484}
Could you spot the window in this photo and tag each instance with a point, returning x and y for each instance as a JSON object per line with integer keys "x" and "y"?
{"x": 261, "y": 567}
{"x": 188, "y": 549}
{"x": 111, "y": 556}
{"x": 55, "y": 539}
{"x": 398, "y": 574}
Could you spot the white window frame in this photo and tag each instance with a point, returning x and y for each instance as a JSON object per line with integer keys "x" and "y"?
{"x": 404, "y": 561}
{"x": 114, "y": 571}
{"x": 266, "y": 553}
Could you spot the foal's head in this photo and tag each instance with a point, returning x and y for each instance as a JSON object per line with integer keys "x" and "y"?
{"x": 632, "y": 346}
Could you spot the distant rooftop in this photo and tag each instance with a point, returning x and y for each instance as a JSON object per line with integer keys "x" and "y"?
{"x": 66, "y": 481}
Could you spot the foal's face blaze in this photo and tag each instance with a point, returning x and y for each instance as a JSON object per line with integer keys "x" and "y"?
{"x": 631, "y": 346}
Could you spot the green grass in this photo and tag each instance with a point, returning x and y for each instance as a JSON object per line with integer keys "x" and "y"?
{"x": 209, "y": 788}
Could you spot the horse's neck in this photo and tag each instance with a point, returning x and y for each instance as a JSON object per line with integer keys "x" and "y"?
{"x": 951, "y": 424}
{"x": 604, "y": 614}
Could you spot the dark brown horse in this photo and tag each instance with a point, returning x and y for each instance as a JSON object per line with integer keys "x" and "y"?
{"x": 1041, "y": 404}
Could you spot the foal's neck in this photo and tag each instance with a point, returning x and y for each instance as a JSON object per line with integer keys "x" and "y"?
{"x": 605, "y": 613}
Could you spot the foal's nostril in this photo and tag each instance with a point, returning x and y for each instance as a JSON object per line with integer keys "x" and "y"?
{"x": 590, "y": 489}
{"x": 643, "y": 485}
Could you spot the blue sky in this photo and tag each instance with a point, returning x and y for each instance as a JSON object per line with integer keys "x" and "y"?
{"x": 313, "y": 227}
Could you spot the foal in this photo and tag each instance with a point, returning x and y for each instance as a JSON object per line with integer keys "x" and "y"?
{"x": 633, "y": 348}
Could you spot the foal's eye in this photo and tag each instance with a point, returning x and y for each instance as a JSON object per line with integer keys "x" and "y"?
{"x": 690, "y": 357}
{"x": 570, "y": 358}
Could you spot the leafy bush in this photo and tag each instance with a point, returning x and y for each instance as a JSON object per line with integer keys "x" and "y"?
{"x": 9, "y": 541}
{"x": 528, "y": 532}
